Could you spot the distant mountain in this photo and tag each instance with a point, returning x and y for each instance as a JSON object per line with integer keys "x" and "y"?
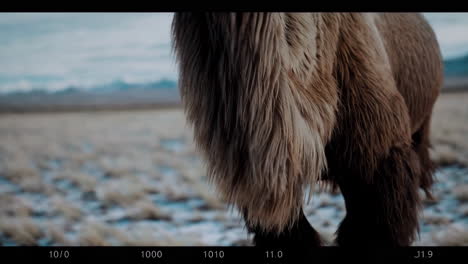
{"x": 69, "y": 90}
{"x": 118, "y": 94}
{"x": 456, "y": 67}
{"x": 120, "y": 85}
{"x": 114, "y": 86}
{"x": 164, "y": 83}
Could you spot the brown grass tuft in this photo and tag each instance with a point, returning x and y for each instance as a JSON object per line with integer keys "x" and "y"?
{"x": 84, "y": 181}
{"x": 13, "y": 206}
{"x": 449, "y": 132}
{"x": 461, "y": 192}
{"x": 210, "y": 198}
{"x": 453, "y": 235}
{"x": 444, "y": 155}
{"x": 28, "y": 178}
{"x": 93, "y": 233}
{"x": 145, "y": 209}
{"x": 57, "y": 234}
{"x": 121, "y": 192}
{"x": 22, "y": 230}
{"x": 66, "y": 208}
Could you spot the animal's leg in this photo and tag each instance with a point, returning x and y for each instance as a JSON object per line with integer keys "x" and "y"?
{"x": 301, "y": 234}
{"x": 421, "y": 145}
{"x": 383, "y": 212}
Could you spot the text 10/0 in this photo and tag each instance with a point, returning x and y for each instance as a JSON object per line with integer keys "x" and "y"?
{"x": 58, "y": 254}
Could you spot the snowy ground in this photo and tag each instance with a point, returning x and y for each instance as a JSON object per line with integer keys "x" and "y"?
{"x": 134, "y": 178}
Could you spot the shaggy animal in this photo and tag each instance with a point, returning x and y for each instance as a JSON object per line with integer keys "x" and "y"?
{"x": 282, "y": 101}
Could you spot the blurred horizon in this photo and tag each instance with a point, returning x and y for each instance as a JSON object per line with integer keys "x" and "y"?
{"x": 58, "y": 51}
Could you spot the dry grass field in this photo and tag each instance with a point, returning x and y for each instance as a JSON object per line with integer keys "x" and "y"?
{"x": 134, "y": 178}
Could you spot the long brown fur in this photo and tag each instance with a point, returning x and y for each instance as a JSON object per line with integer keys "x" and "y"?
{"x": 278, "y": 99}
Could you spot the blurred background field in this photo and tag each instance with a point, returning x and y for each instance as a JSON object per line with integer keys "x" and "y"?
{"x": 95, "y": 150}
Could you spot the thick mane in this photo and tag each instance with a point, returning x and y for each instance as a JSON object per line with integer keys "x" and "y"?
{"x": 257, "y": 89}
